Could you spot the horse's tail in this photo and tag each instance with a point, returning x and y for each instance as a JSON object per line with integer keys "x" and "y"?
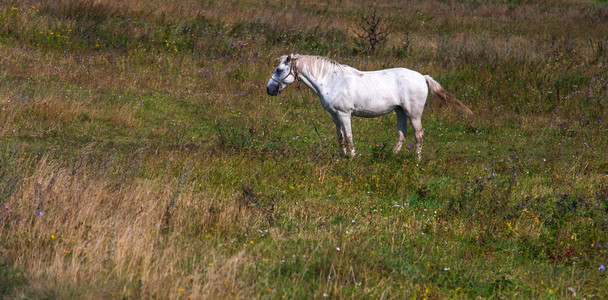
{"x": 444, "y": 95}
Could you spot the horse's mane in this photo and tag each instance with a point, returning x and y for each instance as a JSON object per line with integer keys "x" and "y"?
{"x": 320, "y": 66}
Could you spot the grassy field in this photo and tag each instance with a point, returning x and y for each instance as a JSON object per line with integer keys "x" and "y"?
{"x": 140, "y": 156}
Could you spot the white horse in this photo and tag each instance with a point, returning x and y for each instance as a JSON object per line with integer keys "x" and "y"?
{"x": 345, "y": 91}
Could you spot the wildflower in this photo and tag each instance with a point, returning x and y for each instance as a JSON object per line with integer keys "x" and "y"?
{"x": 602, "y": 267}
{"x": 210, "y": 264}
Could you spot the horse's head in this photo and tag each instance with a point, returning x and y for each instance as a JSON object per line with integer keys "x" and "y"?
{"x": 283, "y": 75}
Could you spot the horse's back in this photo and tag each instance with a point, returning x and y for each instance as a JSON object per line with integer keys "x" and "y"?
{"x": 408, "y": 85}
{"x": 398, "y": 77}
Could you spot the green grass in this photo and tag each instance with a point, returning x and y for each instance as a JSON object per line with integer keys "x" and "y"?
{"x": 140, "y": 156}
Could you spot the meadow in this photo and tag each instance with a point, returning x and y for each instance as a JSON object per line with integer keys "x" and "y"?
{"x": 140, "y": 156}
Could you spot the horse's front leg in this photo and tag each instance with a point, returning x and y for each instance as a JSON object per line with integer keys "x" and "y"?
{"x": 345, "y": 135}
{"x": 340, "y": 133}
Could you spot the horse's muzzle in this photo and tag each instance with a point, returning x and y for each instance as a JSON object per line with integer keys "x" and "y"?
{"x": 272, "y": 89}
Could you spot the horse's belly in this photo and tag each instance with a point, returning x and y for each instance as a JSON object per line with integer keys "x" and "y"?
{"x": 370, "y": 113}
{"x": 374, "y": 105}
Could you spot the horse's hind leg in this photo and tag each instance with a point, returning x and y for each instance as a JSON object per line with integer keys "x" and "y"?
{"x": 417, "y": 125}
{"x": 401, "y": 129}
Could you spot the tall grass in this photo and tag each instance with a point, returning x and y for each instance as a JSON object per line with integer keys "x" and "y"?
{"x": 140, "y": 156}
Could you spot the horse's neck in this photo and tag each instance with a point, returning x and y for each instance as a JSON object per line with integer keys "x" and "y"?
{"x": 318, "y": 83}
{"x": 311, "y": 81}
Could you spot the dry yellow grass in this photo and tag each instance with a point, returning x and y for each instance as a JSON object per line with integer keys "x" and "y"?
{"x": 80, "y": 231}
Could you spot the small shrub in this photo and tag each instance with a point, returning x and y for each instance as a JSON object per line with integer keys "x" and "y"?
{"x": 373, "y": 34}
